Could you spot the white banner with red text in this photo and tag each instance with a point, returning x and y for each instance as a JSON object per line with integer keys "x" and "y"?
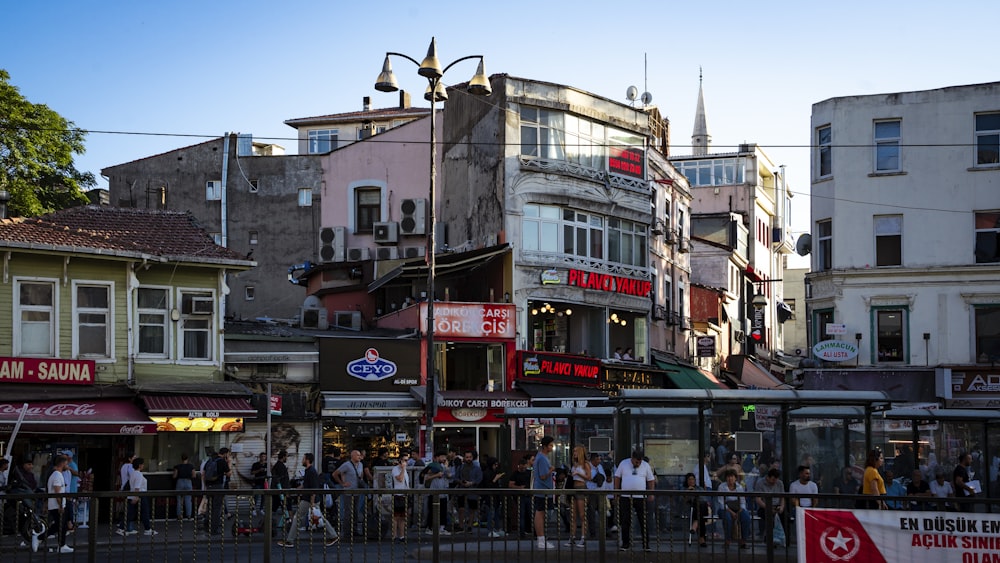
{"x": 897, "y": 536}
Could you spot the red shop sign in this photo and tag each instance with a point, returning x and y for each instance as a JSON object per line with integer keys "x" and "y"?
{"x": 609, "y": 283}
{"x": 46, "y": 370}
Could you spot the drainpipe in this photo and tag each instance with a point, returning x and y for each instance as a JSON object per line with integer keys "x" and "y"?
{"x": 225, "y": 174}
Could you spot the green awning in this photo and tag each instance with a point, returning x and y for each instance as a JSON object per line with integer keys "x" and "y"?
{"x": 686, "y": 377}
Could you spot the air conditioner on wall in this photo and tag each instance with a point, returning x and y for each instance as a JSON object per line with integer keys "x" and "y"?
{"x": 314, "y": 317}
{"x": 414, "y": 216}
{"x": 202, "y": 306}
{"x": 331, "y": 244}
{"x": 386, "y": 233}
{"x": 358, "y": 254}
{"x": 414, "y": 251}
{"x": 387, "y": 253}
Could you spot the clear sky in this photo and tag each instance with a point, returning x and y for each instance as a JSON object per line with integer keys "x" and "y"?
{"x": 186, "y": 71}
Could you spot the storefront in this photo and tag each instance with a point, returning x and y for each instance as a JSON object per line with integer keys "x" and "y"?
{"x": 67, "y": 411}
{"x": 365, "y": 384}
{"x": 587, "y": 313}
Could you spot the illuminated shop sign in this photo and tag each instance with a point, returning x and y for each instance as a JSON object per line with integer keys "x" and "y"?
{"x": 609, "y": 283}
{"x": 197, "y": 423}
{"x": 615, "y": 378}
{"x": 627, "y": 162}
{"x": 48, "y": 371}
{"x": 471, "y": 320}
{"x": 560, "y": 368}
{"x": 368, "y": 364}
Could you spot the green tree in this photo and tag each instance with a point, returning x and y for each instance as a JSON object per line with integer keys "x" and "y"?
{"x": 36, "y": 156}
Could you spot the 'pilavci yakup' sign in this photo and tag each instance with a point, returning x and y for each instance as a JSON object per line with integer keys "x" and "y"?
{"x": 835, "y": 350}
{"x": 609, "y": 283}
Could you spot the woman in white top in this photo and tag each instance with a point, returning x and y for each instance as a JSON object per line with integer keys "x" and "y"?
{"x": 734, "y": 509}
{"x": 581, "y": 474}
{"x": 137, "y": 484}
{"x": 400, "y": 482}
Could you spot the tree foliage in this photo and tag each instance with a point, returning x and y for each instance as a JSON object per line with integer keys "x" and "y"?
{"x": 36, "y": 155}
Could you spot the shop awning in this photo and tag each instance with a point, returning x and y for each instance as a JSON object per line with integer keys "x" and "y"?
{"x": 753, "y": 374}
{"x": 544, "y": 393}
{"x": 198, "y": 406}
{"x": 77, "y": 416}
{"x": 444, "y": 264}
{"x": 270, "y": 352}
{"x": 688, "y": 377}
{"x": 371, "y": 405}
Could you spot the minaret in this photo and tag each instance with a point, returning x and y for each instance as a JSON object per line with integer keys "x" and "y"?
{"x": 700, "y": 139}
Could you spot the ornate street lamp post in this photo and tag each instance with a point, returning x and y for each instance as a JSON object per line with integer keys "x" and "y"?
{"x": 430, "y": 68}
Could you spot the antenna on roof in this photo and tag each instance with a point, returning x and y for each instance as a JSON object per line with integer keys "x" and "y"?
{"x": 632, "y": 92}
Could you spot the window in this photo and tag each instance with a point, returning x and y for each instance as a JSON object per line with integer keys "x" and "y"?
{"x": 368, "y": 209}
{"x": 987, "y": 237}
{"x": 152, "y": 308}
{"x": 824, "y": 140}
{"x": 322, "y": 140}
{"x": 987, "y": 334}
{"x": 583, "y": 234}
{"x": 36, "y": 330}
{"x": 585, "y": 142}
{"x": 540, "y": 228}
{"x": 791, "y": 305}
{"x": 543, "y": 133}
{"x": 253, "y": 238}
{"x": 626, "y": 242}
{"x": 375, "y": 130}
{"x": 889, "y": 240}
{"x": 824, "y": 235}
{"x": 249, "y": 293}
{"x": 254, "y": 186}
{"x": 213, "y": 190}
{"x": 821, "y": 320}
{"x": 713, "y": 172}
{"x": 668, "y": 295}
{"x": 305, "y": 197}
{"x": 91, "y": 320}
{"x": 197, "y": 312}
{"x": 987, "y": 139}
{"x": 887, "y": 143}
{"x": 889, "y": 328}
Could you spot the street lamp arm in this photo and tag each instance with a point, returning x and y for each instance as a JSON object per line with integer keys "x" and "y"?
{"x": 407, "y": 57}
{"x": 456, "y": 61}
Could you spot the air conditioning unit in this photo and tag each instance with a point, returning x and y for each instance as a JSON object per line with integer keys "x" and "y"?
{"x": 414, "y": 251}
{"x": 331, "y": 244}
{"x": 777, "y": 236}
{"x": 387, "y": 253}
{"x": 685, "y": 245}
{"x": 414, "y": 216}
{"x": 347, "y": 319}
{"x": 659, "y": 312}
{"x": 202, "y": 306}
{"x": 314, "y": 317}
{"x": 386, "y": 233}
{"x": 358, "y": 254}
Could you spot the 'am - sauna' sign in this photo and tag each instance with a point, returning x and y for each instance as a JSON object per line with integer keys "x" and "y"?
{"x": 46, "y": 370}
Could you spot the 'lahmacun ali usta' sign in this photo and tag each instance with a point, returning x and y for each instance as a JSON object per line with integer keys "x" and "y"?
{"x": 835, "y": 350}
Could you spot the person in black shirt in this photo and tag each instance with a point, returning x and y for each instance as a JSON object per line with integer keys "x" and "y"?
{"x": 521, "y": 480}
{"x": 183, "y": 477}
{"x": 310, "y": 480}
{"x": 917, "y": 487}
{"x": 960, "y": 480}
{"x": 217, "y": 501}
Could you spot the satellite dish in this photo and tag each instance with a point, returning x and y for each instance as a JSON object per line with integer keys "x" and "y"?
{"x": 312, "y": 302}
{"x": 803, "y": 246}
{"x": 646, "y": 98}
{"x": 631, "y": 93}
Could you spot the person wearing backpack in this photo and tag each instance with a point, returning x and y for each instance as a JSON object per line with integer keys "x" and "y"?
{"x": 214, "y": 476}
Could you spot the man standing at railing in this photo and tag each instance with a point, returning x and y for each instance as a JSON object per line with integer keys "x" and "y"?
{"x": 58, "y": 515}
{"x": 521, "y": 480}
{"x": 350, "y": 476}
{"x": 634, "y": 474}
{"x": 542, "y": 481}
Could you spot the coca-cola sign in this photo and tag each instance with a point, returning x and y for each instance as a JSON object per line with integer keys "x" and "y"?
{"x": 95, "y": 416}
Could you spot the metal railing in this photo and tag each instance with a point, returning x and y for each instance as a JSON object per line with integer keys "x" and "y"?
{"x": 251, "y": 525}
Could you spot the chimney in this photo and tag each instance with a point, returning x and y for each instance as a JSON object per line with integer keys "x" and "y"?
{"x": 367, "y": 102}
{"x": 404, "y": 99}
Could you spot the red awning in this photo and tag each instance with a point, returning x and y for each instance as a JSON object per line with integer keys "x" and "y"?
{"x": 198, "y": 406}
{"x": 77, "y": 416}
{"x": 753, "y": 374}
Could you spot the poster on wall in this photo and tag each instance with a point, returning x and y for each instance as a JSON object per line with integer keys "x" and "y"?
{"x": 895, "y": 536}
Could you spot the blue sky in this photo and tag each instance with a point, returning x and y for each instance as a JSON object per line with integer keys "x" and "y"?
{"x": 190, "y": 70}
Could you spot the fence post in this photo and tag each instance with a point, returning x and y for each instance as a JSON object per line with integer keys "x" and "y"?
{"x": 95, "y": 508}
{"x": 268, "y": 523}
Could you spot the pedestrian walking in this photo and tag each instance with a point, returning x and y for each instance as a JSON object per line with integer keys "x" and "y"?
{"x": 139, "y": 508}
{"x": 542, "y": 480}
{"x": 183, "y": 474}
{"x": 634, "y": 475}
{"x": 58, "y": 515}
{"x": 308, "y": 506}
{"x": 400, "y": 482}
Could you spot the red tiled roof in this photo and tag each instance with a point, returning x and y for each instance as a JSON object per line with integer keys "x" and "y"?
{"x": 384, "y": 113}
{"x": 112, "y": 230}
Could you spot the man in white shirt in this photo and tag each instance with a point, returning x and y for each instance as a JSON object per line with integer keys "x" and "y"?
{"x": 804, "y": 485}
{"x": 58, "y": 516}
{"x": 634, "y": 474}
